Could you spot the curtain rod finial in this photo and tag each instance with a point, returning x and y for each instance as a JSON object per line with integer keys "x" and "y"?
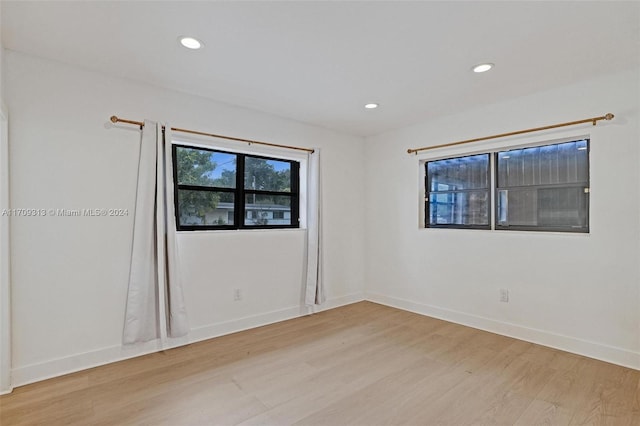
{"x": 113, "y": 119}
{"x": 609, "y": 116}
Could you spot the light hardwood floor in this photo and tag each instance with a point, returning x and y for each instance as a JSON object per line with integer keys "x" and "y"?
{"x": 362, "y": 364}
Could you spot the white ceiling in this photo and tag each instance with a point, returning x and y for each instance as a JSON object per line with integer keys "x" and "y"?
{"x": 320, "y": 62}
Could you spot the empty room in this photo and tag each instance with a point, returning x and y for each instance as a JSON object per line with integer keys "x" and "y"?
{"x": 319, "y": 213}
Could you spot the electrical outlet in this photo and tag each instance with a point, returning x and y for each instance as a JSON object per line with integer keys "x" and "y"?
{"x": 504, "y": 295}
{"x": 237, "y": 294}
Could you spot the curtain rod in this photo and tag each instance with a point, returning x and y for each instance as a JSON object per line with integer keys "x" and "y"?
{"x": 593, "y": 120}
{"x": 114, "y": 119}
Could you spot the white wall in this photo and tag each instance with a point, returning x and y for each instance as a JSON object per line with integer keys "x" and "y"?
{"x": 1, "y": 61}
{"x": 575, "y": 292}
{"x": 70, "y": 273}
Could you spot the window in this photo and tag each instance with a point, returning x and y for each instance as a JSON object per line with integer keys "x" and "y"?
{"x": 225, "y": 190}
{"x": 544, "y": 188}
{"x": 540, "y": 188}
{"x": 457, "y": 193}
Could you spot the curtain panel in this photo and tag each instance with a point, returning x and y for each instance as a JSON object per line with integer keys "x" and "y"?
{"x": 155, "y": 305}
{"x": 314, "y": 287}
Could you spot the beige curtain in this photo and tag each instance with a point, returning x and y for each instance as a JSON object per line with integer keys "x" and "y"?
{"x": 314, "y": 286}
{"x": 155, "y": 305}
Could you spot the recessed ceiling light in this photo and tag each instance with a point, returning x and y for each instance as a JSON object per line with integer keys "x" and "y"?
{"x": 482, "y": 67}
{"x": 190, "y": 42}
{"x": 371, "y": 106}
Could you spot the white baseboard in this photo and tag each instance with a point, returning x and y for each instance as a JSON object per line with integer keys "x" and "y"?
{"x": 587, "y": 348}
{"x": 246, "y": 323}
{"x": 61, "y": 366}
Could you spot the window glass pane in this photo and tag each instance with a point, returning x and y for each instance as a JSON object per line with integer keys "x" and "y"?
{"x": 205, "y": 168}
{"x": 456, "y": 174}
{"x": 205, "y": 207}
{"x": 562, "y": 163}
{"x": 263, "y": 210}
{"x": 459, "y": 208}
{"x": 514, "y": 165}
{"x": 518, "y": 207}
{"x": 564, "y": 207}
{"x": 267, "y": 175}
{"x": 582, "y": 161}
{"x": 530, "y": 166}
{"x": 544, "y": 187}
{"x": 457, "y": 191}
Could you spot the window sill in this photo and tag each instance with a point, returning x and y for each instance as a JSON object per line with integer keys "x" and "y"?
{"x": 510, "y": 232}
{"x": 233, "y": 231}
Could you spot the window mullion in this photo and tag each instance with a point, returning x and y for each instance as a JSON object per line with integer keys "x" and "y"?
{"x": 493, "y": 190}
{"x": 239, "y": 200}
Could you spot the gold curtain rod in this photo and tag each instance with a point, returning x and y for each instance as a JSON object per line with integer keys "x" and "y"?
{"x": 593, "y": 120}
{"x": 114, "y": 119}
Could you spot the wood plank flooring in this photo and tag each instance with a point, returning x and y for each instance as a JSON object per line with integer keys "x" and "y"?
{"x": 362, "y": 364}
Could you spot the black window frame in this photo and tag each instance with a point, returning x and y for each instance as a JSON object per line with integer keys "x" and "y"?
{"x": 541, "y": 228}
{"x": 427, "y": 204}
{"x": 239, "y": 192}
